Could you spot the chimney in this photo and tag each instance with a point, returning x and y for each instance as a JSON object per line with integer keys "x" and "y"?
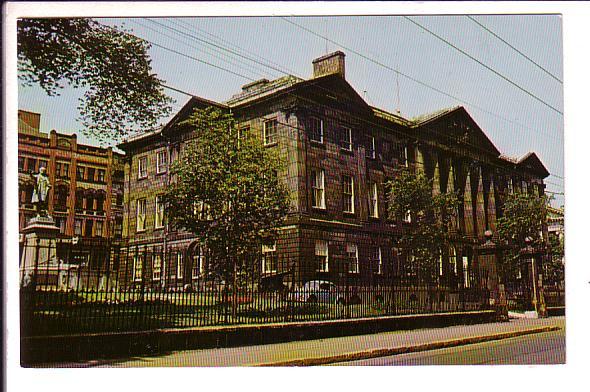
{"x": 329, "y": 64}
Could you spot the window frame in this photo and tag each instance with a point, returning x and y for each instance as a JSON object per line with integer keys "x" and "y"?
{"x": 98, "y": 228}
{"x": 373, "y": 197}
{"x": 138, "y": 267}
{"x": 196, "y": 273}
{"x": 315, "y": 187}
{"x": 346, "y": 139}
{"x": 179, "y": 266}
{"x": 323, "y": 266}
{"x": 270, "y": 139}
{"x": 138, "y": 212}
{"x": 352, "y": 257}
{"x": 269, "y": 249}
{"x": 156, "y": 256}
{"x": 348, "y": 194}
{"x": 142, "y": 167}
{"x": 159, "y": 213}
{"x": 161, "y": 166}
{"x": 379, "y": 257}
{"x": 313, "y": 130}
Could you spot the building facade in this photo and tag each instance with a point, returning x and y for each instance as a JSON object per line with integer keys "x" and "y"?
{"x": 86, "y": 195}
{"x": 339, "y": 153}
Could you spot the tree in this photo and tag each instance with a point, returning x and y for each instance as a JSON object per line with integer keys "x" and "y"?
{"x": 430, "y": 216}
{"x": 523, "y": 217}
{"x": 122, "y": 94}
{"x": 226, "y": 190}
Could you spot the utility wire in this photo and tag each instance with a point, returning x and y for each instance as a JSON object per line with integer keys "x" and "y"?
{"x": 398, "y": 72}
{"x": 406, "y": 135}
{"x": 515, "y": 49}
{"x": 484, "y": 65}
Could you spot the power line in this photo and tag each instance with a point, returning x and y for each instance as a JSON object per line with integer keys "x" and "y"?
{"x": 405, "y": 135}
{"x": 398, "y": 72}
{"x": 484, "y": 65}
{"x": 515, "y": 49}
{"x": 221, "y": 56}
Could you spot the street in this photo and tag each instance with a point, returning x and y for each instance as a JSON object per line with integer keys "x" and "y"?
{"x": 536, "y": 349}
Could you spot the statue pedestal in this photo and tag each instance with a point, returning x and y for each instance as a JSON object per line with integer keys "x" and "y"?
{"x": 39, "y": 249}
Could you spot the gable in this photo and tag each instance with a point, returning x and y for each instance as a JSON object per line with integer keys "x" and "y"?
{"x": 455, "y": 123}
{"x": 531, "y": 163}
{"x": 184, "y": 113}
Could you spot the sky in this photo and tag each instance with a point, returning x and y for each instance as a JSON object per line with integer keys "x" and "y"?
{"x": 514, "y": 120}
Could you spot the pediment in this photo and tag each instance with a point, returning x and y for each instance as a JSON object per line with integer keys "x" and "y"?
{"x": 457, "y": 124}
{"x": 531, "y": 163}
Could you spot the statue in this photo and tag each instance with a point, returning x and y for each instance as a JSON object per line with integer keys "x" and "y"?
{"x": 40, "y": 192}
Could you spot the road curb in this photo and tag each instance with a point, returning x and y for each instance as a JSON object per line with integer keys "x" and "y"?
{"x": 383, "y": 352}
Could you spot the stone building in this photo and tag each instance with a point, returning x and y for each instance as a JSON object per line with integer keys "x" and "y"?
{"x": 339, "y": 152}
{"x": 86, "y": 195}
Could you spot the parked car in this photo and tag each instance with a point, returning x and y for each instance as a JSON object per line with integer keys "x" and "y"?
{"x": 322, "y": 291}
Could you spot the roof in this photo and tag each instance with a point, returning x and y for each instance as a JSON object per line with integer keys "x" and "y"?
{"x": 428, "y": 117}
{"x": 266, "y": 88}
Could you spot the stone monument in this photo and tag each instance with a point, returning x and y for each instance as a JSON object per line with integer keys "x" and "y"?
{"x": 39, "y": 248}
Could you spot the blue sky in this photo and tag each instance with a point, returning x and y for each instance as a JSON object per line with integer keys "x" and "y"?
{"x": 516, "y": 122}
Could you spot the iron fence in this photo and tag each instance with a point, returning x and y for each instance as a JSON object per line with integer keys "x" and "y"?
{"x": 145, "y": 288}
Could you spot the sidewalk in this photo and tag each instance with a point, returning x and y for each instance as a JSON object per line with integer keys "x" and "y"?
{"x": 324, "y": 351}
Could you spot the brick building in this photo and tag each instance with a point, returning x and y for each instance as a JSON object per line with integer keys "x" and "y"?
{"x": 339, "y": 152}
{"x": 86, "y": 196}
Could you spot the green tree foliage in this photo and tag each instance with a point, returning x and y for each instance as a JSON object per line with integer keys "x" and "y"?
{"x": 431, "y": 217}
{"x": 122, "y": 94}
{"x": 226, "y": 190}
{"x": 523, "y": 217}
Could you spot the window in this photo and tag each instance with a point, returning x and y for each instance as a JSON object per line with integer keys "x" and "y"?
{"x": 21, "y": 163}
{"x": 118, "y": 227}
{"x": 80, "y": 173}
{"x": 316, "y": 130}
{"x": 179, "y": 266}
{"x": 31, "y": 164}
{"x": 42, "y": 163}
{"x": 101, "y": 175}
{"x": 137, "y": 267}
{"x": 78, "y": 226}
{"x": 346, "y": 139}
{"x": 157, "y": 267}
{"x": 140, "y": 215}
{"x": 88, "y": 228}
{"x": 159, "y": 219}
{"x": 524, "y": 186}
{"x": 510, "y": 186}
{"x": 453, "y": 260}
{"x": 395, "y": 253}
{"x": 269, "y": 258}
{"x": 348, "y": 194}
{"x": 373, "y": 201}
{"x": 90, "y": 174}
{"x": 142, "y": 167}
{"x": 370, "y": 153}
{"x": 62, "y": 169}
{"x": 270, "y": 132}
{"x": 321, "y": 253}
{"x": 352, "y": 256}
{"x": 61, "y": 223}
{"x": 98, "y": 229}
{"x": 440, "y": 265}
{"x": 243, "y": 132}
{"x": 161, "y": 161}
{"x": 198, "y": 262}
{"x": 317, "y": 186}
{"x": 466, "y": 271}
{"x": 377, "y": 260}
